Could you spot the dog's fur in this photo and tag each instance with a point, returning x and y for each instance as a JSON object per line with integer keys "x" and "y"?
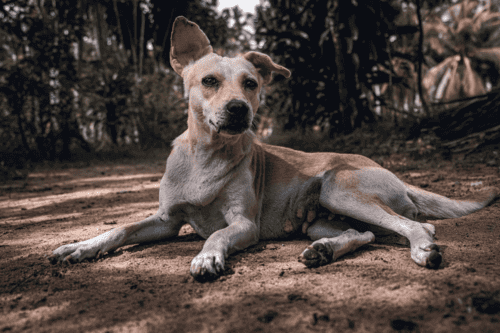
{"x": 234, "y": 190}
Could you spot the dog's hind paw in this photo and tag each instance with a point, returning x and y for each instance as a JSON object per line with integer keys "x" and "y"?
{"x": 316, "y": 255}
{"x": 326, "y": 250}
{"x": 429, "y": 257}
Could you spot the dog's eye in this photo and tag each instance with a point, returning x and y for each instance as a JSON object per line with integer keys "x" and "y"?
{"x": 209, "y": 81}
{"x": 251, "y": 84}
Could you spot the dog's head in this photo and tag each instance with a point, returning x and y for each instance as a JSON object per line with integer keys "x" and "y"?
{"x": 223, "y": 92}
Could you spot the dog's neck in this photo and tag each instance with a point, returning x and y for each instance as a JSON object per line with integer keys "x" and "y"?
{"x": 207, "y": 161}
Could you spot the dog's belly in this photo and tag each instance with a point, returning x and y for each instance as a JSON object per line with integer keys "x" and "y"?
{"x": 278, "y": 217}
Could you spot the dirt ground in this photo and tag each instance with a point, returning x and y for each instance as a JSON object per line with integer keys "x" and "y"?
{"x": 148, "y": 287}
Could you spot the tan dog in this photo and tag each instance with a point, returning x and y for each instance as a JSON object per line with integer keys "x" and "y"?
{"x": 234, "y": 190}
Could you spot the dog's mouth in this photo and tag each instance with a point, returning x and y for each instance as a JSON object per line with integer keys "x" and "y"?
{"x": 231, "y": 127}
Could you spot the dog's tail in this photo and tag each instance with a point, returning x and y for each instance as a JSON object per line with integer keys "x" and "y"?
{"x": 439, "y": 207}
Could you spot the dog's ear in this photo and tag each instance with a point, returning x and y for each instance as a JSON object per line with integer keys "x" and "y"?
{"x": 265, "y": 66}
{"x": 187, "y": 43}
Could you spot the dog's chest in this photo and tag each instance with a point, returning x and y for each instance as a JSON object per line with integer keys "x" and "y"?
{"x": 205, "y": 220}
{"x": 202, "y": 193}
{"x": 199, "y": 207}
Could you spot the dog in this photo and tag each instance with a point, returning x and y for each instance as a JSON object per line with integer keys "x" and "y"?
{"x": 235, "y": 190}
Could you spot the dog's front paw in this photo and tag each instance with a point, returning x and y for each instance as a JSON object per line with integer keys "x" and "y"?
{"x": 207, "y": 266}
{"x": 316, "y": 255}
{"x": 75, "y": 252}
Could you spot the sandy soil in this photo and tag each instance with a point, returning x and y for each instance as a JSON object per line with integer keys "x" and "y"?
{"x": 148, "y": 287}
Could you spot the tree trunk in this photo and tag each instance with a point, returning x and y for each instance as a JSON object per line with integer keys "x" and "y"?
{"x": 354, "y": 113}
{"x": 141, "y": 44}
{"x": 111, "y": 120}
{"x": 420, "y": 60}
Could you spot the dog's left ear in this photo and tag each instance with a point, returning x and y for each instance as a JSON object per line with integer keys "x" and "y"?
{"x": 265, "y": 66}
{"x": 187, "y": 43}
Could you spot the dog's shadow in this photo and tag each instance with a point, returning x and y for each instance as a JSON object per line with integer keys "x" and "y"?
{"x": 384, "y": 244}
{"x": 191, "y": 237}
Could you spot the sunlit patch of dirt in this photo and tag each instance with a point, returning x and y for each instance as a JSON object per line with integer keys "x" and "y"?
{"x": 148, "y": 287}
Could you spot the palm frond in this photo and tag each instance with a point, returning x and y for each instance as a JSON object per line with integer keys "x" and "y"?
{"x": 484, "y": 9}
{"x": 442, "y": 44}
{"x": 455, "y": 11}
{"x": 484, "y": 21}
{"x": 484, "y": 16}
{"x": 468, "y": 8}
{"x": 462, "y": 10}
{"x": 488, "y": 54}
{"x": 435, "y": 27}
{"x": 435, "y": 74}
{"x": 436, "y": 45}
{"x": 493, "y": 39}
{"x": 443, "y": 83}
{"x": 452, "y": 90}
{"x": 463, "y": 24}
{"x": 472, "y": 84}
{"x": 470, "y": 25}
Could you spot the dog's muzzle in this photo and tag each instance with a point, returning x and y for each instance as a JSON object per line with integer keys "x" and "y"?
{"x": 236, "y": 119}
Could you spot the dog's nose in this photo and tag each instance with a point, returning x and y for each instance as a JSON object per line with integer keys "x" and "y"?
{"x": 236, "y": 107}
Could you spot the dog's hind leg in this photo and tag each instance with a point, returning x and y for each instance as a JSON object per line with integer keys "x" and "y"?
{"x": 333, "y": 239}
{"x": 378, "y": 197}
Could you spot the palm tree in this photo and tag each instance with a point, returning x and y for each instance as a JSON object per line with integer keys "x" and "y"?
{"x": 465, "y": 43}
{"x": 400, "y": 94}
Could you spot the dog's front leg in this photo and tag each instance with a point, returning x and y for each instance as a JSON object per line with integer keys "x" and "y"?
{"x": 240, "y": 234}
{"x": 150, "y": 229}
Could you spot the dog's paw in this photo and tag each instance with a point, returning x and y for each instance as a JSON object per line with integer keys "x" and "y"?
{"x": 75, "y": 252}
{"x": 428, "y": 256}
{"x": 431, "y": 229}
{"x": 207, "y": 266}
{"x": 316, "y": 255}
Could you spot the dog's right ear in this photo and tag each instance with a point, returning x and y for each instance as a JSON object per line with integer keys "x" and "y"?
{"x": 187, "y": 43}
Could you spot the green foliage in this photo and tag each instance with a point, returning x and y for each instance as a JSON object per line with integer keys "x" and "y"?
{"x": 332, "y": 48}
{"x": 163, "y": 115}
{"x": 238, "y": 37}
{"x": 464, "y": 44}
{"x": 74, "y": 76}
{"x": 38, "y": 83}
{"x": 157, "y": 18}
{"x": 94, "y": 74}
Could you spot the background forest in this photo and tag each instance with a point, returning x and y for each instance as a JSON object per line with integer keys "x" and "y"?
{"x": 93, "y": 75}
